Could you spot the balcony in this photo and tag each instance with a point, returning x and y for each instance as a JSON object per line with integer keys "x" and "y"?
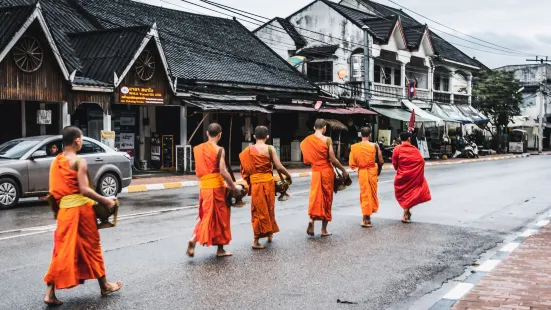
{"x": 387, "y": 91}
{"x": 442, "y": 97}
{"x": 350, "y": 90}
{"x": 460, "y": 99}
{"x": 423, "y": 94}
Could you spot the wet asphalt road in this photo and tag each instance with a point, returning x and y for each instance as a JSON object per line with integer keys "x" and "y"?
{"x": 474, "y": 207}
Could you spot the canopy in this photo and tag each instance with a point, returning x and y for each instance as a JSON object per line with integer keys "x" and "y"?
{"x": 232, "y": 106}
{"x": 522, "y": 121}
{"x": 424, "y": 114}
{"x": 449, "y": 113}
{"x": 473, "y": 114}
{"x": 336, "y": 125}
{"x": 400, "y": 114}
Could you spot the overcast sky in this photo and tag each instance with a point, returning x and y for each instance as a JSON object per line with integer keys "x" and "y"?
{"x": 520, "y": 25}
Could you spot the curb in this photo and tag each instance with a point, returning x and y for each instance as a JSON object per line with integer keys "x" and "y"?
{"x": 461, "y": 289}
{"x": 173, "y": 185}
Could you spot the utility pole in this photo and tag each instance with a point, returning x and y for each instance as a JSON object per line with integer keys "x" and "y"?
{"x": 367, "y": 56}
{"x": 542, "y": 91}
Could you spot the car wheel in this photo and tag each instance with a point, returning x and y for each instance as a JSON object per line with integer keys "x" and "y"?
{"x": 9, "y": 193}
{"x": 108, "y": 185}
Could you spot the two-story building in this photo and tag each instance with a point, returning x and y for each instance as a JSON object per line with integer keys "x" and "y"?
{"x": 534, "y": 78}
{"x": 332, "y": 39}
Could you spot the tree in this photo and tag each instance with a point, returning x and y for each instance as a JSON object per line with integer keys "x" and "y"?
{"x": 497, "y": 95}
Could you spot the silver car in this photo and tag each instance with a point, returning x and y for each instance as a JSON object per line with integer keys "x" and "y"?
{"x": 25, "y": 167}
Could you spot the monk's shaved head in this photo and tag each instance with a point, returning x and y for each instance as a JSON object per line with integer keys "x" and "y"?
{"x": 70, "y": 134}
{"x": 214, "y": 130}
{"x": 366, "y": 132}
{"x": 261, "y": 132}
{"x": 320, "y": 123}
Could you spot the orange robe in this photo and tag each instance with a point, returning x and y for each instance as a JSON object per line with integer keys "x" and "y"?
{"x": 257, "y": 169}
{"x": 315, "y": 152}
{"x": 77, "y": 254}
{"x": 213, "y": 227}
{"x": 362, "y": 157}
{"x": 410, "y": 186}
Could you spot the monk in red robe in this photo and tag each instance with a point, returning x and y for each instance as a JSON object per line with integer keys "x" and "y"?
{"x": 365, "y": 157}
{"x": 317, "y": 151}
{"x": 256, "y": 169}
{"x": 77, "y": 254}
{"x": 410, "y": 185}
{"x": 213, "y": 227}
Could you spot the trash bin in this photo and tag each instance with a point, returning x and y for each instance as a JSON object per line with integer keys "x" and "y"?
{"x": 143, "y": 164}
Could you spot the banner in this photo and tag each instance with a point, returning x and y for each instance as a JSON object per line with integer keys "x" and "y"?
{"x": 108, "y": 138}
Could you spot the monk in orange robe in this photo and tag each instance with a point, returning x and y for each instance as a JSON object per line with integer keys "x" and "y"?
{"x": 256, "y": 169}
{"x": 317, "y": 151}
{"x": 410, "y": 186}
{"x": 364, "y": 159}
{"x": 77, "y": 254}
{"x": 213, "y": 227}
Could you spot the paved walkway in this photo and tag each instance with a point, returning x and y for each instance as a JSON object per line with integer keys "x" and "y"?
{"x": 521, "y": 281}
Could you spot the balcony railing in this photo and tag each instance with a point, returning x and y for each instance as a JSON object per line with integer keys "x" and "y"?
{"x": 460, "y": 99}
{"x": 388, "y": 91}
{"x": 423, "y": 94}
{"x": 350, "y": 90}
{"x": 443, "y": 97}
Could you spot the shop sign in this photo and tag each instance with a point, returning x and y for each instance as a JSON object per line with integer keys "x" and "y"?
{"x": 141, "y": 95}
{"x": 128, "y": 121}
{"x": 127, "y": 141}
{"x": 108, "y": 138}
{"x": 44, "y": 117}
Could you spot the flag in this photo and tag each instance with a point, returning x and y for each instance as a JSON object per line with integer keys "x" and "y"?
{"x": 411, "y": 124}
{"x": 412, "y": 89}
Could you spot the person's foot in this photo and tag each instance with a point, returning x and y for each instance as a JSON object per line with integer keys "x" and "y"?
{"x": 190, "y": 249}
{"x": 326, "y": 234}
{"x": 222, "y": 253}
{"x": 270, "y": 238}
{"x": 366, "y": 222}
{"x": 111, "y": 288}
{"x": 310, "y": 230}
{"x": 52, "y": 301}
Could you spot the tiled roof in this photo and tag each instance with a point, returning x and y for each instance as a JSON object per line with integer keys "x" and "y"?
{"x": 300, "y": 42}
{"x": 355, "y": 16}
{"x": 11, "y": 20}
{"x": 200, "y": 47}
{"x": 104, "y": 52}
{"x": 414, "y": 35}
{"x": 446, "y": 50}
{"x": 319, "y": 51}
{"x": 382, "y": 26}
{"x": 383, "y": 10}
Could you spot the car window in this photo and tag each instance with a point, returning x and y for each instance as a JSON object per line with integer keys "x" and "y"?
{"x": 53, "y": 148}
{"x": 90, "y": 148}
{"x": 16, "y": 148}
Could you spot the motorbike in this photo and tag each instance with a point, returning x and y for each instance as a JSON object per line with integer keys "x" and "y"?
{"x": 469, "y": 150}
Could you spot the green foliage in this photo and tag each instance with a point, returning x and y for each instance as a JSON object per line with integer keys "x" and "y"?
{"x": 496, "y": 95}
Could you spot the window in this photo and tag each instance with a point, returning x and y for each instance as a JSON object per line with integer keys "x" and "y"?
{"x": 357, "y": 67}
{"x": 387, "y": 75}
{"x": 445, "y": 83}
{"x": 377, "y": 74}
{"x": 16, "y": 148}
{"x": 53, "y": 148}
{"x": 397, "y": 77}
{"x": 90, "y": 148}
{"x": 320, "y": 71}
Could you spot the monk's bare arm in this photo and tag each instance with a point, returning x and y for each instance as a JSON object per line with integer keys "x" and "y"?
{"x": 224, "y": 171}
{"x": 395, "y": 158}
{"x": 279, "y": 166}
{"x": 84, "y": 187}
{"x": 380, "y": 156}
{"x": 335, "y": 161}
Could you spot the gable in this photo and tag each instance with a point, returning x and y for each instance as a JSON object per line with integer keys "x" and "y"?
{"x": 397, "y": 40}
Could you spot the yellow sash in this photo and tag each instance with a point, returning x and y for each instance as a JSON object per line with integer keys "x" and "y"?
{"x": 261, "y": 178}
{"x": 213, "y": 180}
{"x": 73, "y": 201}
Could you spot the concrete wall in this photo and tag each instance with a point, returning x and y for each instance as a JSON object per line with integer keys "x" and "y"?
{"x": 276, "y": 38}
{"x": 530, "y": 74}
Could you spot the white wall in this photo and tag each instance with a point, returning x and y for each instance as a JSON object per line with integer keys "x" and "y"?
{"x": 276, "y": 38}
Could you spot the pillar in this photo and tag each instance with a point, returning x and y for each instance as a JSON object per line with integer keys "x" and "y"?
{"x": 42, "y": 126}
{"x": 431, "y": 82}
{"x": 141, "y": 117}
{"x": 65, "y": 116}
{"x": 470, "y": 87}
{"x": 106, "y": 121}
{"x": 451, "y": 86}
{"x": 403, "y": 82}
{"x": 23, "y": 120}
{"x": 183, "y": 125}
{"x": 206, "y": 123}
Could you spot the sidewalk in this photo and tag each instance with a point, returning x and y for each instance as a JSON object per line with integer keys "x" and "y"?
{"x": 179, "y": 181}
{"x": 520, "y": 281}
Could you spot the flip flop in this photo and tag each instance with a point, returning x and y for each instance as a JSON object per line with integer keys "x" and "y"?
{"x": 226, "y": 254}
{"x": 367, "y": 226}
{"x": 327, "y": 234}
{"x": 258, "y": 247}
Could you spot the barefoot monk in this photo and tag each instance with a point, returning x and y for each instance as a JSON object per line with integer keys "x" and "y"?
{"x": 317, "y": 151}
{"x": 77, "y": 254}
{"x": 213, "y": 227}
{"x": 365, "y": 157}
{"x": 410, "y": 185}
{"x": 256, "y": 169}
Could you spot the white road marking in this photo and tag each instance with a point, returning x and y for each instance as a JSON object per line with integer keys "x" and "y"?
{"x": 510, "y": 247}
{"x": 459, "y": 291}
{"x": 542, "y": 223}
{"x": 48, "y": 228}
{"x": 488, "y": 265}
{"x": 528, "y": 232}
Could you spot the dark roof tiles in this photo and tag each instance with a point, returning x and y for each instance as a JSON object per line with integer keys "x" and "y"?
{"x": 11, "y": 20}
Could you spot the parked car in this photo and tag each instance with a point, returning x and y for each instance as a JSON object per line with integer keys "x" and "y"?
{"x": 25, "y": 167}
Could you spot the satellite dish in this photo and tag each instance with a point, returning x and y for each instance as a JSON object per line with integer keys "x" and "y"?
{"x": 318, "y": 105}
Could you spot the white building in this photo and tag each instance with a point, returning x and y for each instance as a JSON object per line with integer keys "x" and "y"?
{"x": 332, "y": 38}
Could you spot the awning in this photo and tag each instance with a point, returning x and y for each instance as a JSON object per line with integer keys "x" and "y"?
{"x": 331, "y": 109}
{"x": 523, "y": 121}
{"x": 289, "y": 107}
{"x": 473, "y": 114}
{"x": 336, "y": 125}
{"x": 422, "y": 113}
{"x": 449, "y": 113}
{"x": 399, "y": 114}
{"x": 227, "y": 106}
{"x": 347, "y": 111}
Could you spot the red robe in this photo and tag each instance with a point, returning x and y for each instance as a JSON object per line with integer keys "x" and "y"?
{"x": 410, "y": 185}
